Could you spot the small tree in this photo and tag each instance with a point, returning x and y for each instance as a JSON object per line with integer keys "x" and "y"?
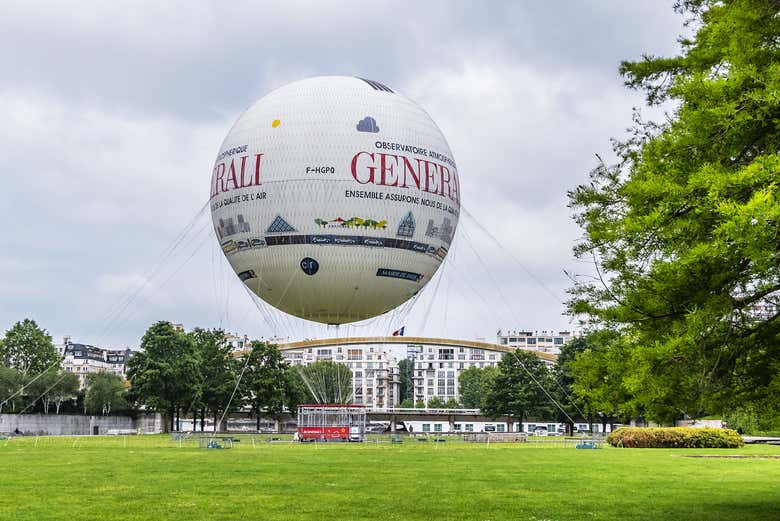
{"x": 105, "y": 393}
{"x": 41, "y": 388}
{"x": 28, "y": 348}
{"x": 475, "y": 384}
{"x": 436, "y": 403}
{"x": 517, "y": 391}
{"x": 218, "y": 372}
{"x": 164, "y": 375}
{"x": 10, "y": 381}
{"x": 66, "y": 388}
{"x": 266, "y": 386}
{"x": 406, "y": 380}
{"x": 327, "y": 382}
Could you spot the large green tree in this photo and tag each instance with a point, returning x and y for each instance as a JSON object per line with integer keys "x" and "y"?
{"x": 218, "y": 372}
{"x": 165, "y": 374}
{"x": 27, "y": 348}
{"x": 105, "y": 393}
{"x": 684, "y": 229}
{"x": 268, "y": 384}
{"x": 519, "y": 388}
{"x": 474, "y": 385}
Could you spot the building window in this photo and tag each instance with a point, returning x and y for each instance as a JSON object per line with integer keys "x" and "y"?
{"x": 437, "y": 427}
{"x": 456, "y": 426}
{"x": 426, "y": 427}
{"x": 500, "y": 427}
{"x": 469, "y": 427}
{"x": 558, "y": 341}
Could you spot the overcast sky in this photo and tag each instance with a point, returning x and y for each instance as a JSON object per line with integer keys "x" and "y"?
{"x": 111, "y": 115}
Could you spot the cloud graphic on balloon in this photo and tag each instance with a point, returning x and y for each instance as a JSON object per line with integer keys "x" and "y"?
{"x": 367, "y": 124}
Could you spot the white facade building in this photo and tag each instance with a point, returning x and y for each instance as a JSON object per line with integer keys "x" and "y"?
{"x": 438, "y": 363}
{"x": 83, "y": 359}
{"x": 548, "y": 342}
{"x": 437, "y": 368}
{"x": 375, "y": 381}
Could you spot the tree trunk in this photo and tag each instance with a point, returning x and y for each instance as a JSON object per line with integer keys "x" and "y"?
{"x": 258, "y": 423}
{"x": 202, "y": 420}
{"x": 172, "y": 419}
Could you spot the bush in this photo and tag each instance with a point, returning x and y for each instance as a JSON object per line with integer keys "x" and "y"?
{"x": 675, "y": 437}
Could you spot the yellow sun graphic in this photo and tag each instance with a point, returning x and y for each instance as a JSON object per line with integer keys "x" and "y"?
{"x": 275, "y": 123}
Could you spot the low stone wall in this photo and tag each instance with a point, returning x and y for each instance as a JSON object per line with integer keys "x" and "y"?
{"x": 700, "y": 424}
{"x": 71, "y": 424}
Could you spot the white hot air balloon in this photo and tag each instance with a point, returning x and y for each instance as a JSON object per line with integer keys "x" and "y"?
{"x": 335, "y": 199}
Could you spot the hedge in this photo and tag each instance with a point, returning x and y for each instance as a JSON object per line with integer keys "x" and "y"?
{"x": 675, "y": 437}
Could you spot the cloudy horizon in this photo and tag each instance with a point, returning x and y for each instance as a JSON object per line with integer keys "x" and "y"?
{"x": 112, "y": 115}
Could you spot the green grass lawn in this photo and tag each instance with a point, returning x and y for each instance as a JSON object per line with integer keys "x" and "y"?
{"x": 152, "y": 478}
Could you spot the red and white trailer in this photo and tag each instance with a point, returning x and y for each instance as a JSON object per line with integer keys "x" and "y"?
{"x": 331, "y": 422}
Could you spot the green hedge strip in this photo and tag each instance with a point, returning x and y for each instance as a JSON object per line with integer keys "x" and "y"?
{"x": 674, "y": 437}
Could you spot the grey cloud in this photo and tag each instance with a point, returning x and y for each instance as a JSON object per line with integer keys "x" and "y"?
{"x": 110, "y": 118}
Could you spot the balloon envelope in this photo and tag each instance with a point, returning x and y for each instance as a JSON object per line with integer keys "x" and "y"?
{"x": 335, "y": 199}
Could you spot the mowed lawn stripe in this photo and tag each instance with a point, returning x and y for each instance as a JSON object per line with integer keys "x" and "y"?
{"x": 153, "y": 478}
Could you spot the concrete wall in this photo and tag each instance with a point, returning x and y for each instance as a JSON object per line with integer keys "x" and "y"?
{"x": 700, "y": 424}
{"x": 70, "y": 424}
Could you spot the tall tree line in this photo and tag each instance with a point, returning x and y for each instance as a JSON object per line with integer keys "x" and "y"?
{"x": 196, "y": 374}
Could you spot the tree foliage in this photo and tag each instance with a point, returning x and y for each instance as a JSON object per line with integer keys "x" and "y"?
{"x": 269, "y": 385}
{"x": 165, "y": 374}
{"x": 106, "y": 393}
{"x": 27, "y": 348}
{"x": 217, "y": 374}
{"x": 406, "y": 379}
{"x": 65, "y": 388}
{"x": 327, "y": 382}
{"x": 10, "y": 382}
{"x": 683, "y": 230}
{"x": 474, "y": 385}
{"x": 518, "y": 388}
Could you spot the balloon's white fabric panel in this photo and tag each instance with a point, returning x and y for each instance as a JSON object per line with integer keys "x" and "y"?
{"x": 335, "y": 199}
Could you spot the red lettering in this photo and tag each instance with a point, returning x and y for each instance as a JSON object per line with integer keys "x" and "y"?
{"x": 219, "y": 183}
{"x": 445, "y": 181}
{"x": 456, "y": 187}
{"x": 243, "y": 165}
{"x": 384, "y": 169}
{"x": 231, "y": 177}
{"x": 409, "y": 170}
{"x": 430, "y": 177}
{"x": 426, "y": 176}
{"x": 258, "y": 157}
{"x": 371, "y": 169}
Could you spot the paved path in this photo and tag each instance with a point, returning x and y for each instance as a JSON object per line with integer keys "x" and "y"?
{"x": 772, "y": 440}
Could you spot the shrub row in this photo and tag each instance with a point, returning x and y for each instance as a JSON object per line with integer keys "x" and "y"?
{"x": 675, "y": 437}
